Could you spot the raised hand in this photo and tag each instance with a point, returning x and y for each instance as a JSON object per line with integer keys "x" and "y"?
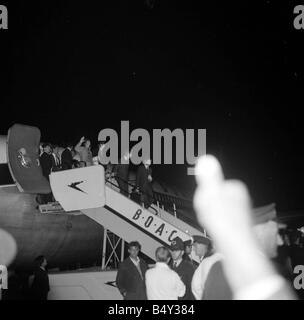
{"x": 223, "y": 207}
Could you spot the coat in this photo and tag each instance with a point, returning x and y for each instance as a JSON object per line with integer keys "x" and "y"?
{"x": 129, "y": 281}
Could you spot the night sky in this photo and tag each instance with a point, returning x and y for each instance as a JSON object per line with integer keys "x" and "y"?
{"x": 234, "y": 68}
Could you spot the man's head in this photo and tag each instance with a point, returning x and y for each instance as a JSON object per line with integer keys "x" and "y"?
{"x": 201, "y": 245}
{"x": 133, "y": 249}
{"x": 82, "y": 164}
{"x": 147, "y": 162}
{"x": 41, "y": 261}
{"x": 47, "y": 148}
{"x": 188, "y": 247}
{"x": 266, "y": 229}
{"x": 177, "y": 248}
{"x": 69, "y": 145}
{"x": 162, "y": 254}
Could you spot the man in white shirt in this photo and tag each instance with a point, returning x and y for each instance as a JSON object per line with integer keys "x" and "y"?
{"x": 162, "y": 283}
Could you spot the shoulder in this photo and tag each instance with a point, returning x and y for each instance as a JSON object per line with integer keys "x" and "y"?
{"x": 125, "y": 263}
{"x": 143, "y": 263}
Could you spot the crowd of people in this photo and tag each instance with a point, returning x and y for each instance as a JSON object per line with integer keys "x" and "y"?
{"x": 54, "y": 158}
{"x": 175, "y": 275}
{"x": 238, "y": 264}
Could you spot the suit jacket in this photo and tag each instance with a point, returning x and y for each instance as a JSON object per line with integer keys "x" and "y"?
{"x": 40, "y": 286}
{"x": 122, "y": 176}
{"x": 46, "y": 162}
{"x": 122, "y": 171}
{"x": 187, "y": 258}
{"x": 142, "y": 181}
{"x": 186, "y": 270}
{"x": 129, "y": 280}
{"x": 66, "y": 159}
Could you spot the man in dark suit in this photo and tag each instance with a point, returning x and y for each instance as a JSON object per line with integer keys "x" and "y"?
{"x": 143, "y": 183}
{"x": 40, "y": 286}
{"x": 46, "y": 163}
{"x": 130, "y": 278}
{"x": 67, "y": 158}
{"x": 182, "y": 267}
{"x": 56, "y": 165}
{"x": 188, "y": 250}
{"x": 46, "y": 160}
{"x": 122, "y": 173}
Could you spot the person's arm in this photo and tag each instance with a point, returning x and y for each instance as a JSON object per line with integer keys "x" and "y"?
{"x": 224, "y": 208}
{"x": 179, "y": 285}
{"x": 120, "y": 280}
{"x": 78, "y": 145}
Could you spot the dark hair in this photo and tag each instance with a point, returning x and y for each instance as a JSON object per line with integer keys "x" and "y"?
{"x": 68, "y": 144}
{"x": 46, "y": 144}
{"x": 39, "y": 260}
{"x": 134, "y": 244}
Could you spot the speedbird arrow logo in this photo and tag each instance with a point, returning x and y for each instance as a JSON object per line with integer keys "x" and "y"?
{"x": 74, "y": 186}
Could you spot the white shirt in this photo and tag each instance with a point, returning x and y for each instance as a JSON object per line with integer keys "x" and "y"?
{"x": 136, "y": 262}
{"x": 162, "y": 283}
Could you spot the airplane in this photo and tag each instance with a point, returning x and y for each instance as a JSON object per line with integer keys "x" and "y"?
{"x": 68, "y": 239}
{"x": 75, "y": 231}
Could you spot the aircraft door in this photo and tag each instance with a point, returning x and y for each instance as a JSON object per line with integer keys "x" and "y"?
{"x": 23, "y": 159}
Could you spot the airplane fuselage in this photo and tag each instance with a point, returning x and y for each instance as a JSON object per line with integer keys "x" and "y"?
{"x": 68, "y": 240}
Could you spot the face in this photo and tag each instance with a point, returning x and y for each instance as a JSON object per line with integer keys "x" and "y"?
{"x": 177, "y": 254}
{"x": 200, "y": 249}
{"x": 188, "y": 249}
{"x": 269, "y": 237}
{"x": 44, "y": 263}
{"x": 148, "y": 162}
{"x": 133, "y": 251}
{"x": 88, "y": 144}
{"x": 47, "y": 149}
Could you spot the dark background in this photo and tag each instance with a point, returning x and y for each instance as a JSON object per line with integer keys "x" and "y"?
{"x": 235, "y": 68}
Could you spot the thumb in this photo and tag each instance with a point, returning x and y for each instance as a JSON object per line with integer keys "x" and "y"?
{"x": 208, "y": 172}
